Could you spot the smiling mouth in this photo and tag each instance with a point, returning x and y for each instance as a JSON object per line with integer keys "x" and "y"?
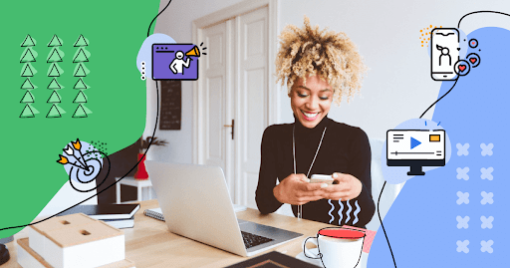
{"x": 310, "y": 116}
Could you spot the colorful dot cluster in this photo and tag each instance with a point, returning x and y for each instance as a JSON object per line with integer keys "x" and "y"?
{"x": 425, "y": 35}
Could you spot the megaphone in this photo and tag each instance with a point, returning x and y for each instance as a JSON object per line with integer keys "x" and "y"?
{"x": 193, "y": 52}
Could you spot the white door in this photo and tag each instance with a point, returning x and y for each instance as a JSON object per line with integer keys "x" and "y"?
{"x": 215, "y": 100}
{"x": 233, "y": 85}
{"x": 252, "y": 100}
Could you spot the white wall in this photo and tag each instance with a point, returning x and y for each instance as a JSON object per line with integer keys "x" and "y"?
{"x": 397, "y": 86}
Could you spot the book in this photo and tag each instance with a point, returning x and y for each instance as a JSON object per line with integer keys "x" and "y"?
{"x": 272, "y": 259}
{"x": 156, "y": 213}
{"x": 122, "y": 223}
{"x": 105, "y": 211}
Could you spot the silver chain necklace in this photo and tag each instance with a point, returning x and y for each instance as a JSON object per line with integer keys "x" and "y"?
{"x": 300, "y": 207}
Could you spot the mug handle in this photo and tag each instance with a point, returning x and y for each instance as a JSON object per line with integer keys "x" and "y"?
{"x": 314, "y": 241}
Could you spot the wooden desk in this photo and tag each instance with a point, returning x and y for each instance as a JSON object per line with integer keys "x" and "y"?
{"x": 150, "y": 244}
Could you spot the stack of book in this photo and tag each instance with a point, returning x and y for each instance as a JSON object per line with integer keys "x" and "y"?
{"x": 116, "y": 215}
{"x": 73, "y": 241}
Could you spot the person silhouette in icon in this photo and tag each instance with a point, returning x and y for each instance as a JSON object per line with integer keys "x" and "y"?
{"x": 444, "y": 52}
{"x": 177, "y": 64}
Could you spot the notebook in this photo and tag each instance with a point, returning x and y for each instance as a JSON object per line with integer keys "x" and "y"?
{"x": 156, "y": 213}
{"x": 105, "y": 211}
{"x": 122, "y": 223}
{"x": 273, "y": 259}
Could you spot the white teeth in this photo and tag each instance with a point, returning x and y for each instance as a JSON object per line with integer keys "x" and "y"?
{"x": 310, "y": 115}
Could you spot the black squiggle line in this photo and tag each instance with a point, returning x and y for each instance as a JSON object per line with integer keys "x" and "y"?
{"x": 150, "y": 25}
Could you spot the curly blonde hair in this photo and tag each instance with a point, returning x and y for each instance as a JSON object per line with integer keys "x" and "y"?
{"x": 308, "y": 52}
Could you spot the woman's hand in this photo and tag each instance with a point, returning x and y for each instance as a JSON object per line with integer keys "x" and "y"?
{"x": 296, "y": 189}
{"x": 346, "y": 187}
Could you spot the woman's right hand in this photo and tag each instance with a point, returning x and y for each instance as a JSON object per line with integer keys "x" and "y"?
{"x": 296, "y": 189}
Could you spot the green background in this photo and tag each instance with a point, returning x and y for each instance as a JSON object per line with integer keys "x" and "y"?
{"x": 115, "y": 31}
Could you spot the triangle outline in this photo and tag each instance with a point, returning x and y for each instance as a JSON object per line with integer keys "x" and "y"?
{"x": 51, "y": 74}
{"x": 82, "y": 83}
{"x": 24, "y": 83}
{"x": 51, "y": 97}
{"x": 30, "y": 109}
{"x": 58, "y": 40}
{"x": 58, "y": 54}
{"x": 24, "y": 55}
{"x": 78, "y": 41}
{"x": 81, "y": 111}
{"x": 29, "y": 96}
{"x": 32, "y": 43}
{"x": 27, "y": 66}
{"x": 81, "y": 52}
{"x": 52, "y": 86}
{"x": 54, "y": 108}
{"x": 80, "y": 101}
{"x": 81, "y": 70}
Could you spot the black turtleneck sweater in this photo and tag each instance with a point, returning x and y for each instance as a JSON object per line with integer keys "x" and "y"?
{"x": 345, "y": 149}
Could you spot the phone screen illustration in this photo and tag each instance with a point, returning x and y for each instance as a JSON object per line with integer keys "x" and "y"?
{"x": 444, "y": 53}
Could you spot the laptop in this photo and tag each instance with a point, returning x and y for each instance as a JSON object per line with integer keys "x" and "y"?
{"x": 196, "y": 204}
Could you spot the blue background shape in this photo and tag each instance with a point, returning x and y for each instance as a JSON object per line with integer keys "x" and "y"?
{"x": 145, "y": 52}
{"x": 422, "y": 222}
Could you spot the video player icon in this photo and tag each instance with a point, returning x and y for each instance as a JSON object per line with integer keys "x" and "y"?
{"x": 414, "y": 143}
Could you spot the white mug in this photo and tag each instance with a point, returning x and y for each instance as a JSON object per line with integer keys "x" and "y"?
{"x": 337, "y": 251}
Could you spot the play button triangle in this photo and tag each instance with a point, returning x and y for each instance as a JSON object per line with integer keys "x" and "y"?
{"x": 414, "y": 143}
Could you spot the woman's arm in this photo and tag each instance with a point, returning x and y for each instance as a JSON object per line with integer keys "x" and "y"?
{"x": 266, "y": 201}
{"x": 361, "y": 169}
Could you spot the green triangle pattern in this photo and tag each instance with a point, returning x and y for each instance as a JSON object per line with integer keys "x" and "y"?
{"x": 80, "y": 98}
{"x": 80, "y": 85}
{"x": 27, "y": 98}
{"x": 54, "y": 112}
{"x": 54, "y": 71}
{"x": 80, "y": 112}
{"x": 80, "y": 72}
{"x": 27, "y": 84}
{"x": 27, "y": 112}
{"x": 81, "y": 42}
{"x": 28, "y": 56}
{"x": 29, "y": 42}
{"x": 54, "y": 98}
{"x": 54, "y": 57}
{"x": 55, "y": 42}
{"x": 81, "y": 57}
{"x": 54, "y": 84}
{"x": 27, "y": 72}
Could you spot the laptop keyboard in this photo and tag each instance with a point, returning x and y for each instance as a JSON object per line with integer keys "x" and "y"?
{"x": 252, "y": 240}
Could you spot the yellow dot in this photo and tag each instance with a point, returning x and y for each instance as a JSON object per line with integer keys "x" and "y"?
{"x": 421, "y": 31}
{"x": 440, "y": 26}
{"x": 428, "y": 38}
{"x": 422, "y": 41}
{"x": 421, "y": 34}
{"x": 421, "y": 45}
{"x": 430, "y": 26}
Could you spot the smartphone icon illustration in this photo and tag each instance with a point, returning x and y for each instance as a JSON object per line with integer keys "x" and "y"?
{"x": 444, "y": 47}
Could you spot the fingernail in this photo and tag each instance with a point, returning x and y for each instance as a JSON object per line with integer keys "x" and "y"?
{"x": 324, "y": 185}
{"x": 335, "y": 175}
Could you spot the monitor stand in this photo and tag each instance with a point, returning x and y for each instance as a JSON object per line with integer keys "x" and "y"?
{"x": 416, "y": 171}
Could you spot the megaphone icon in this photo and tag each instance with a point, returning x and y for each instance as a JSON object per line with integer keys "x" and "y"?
{"x": 193, "y": 52}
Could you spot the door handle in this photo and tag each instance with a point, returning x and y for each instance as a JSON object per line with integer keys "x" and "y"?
{"x": 232, "y": 126}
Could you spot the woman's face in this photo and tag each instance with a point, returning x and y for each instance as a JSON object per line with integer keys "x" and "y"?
{"x": 311, "y": 103}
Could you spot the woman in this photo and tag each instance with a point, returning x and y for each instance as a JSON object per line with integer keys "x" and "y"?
{"x": 319, "y": 66}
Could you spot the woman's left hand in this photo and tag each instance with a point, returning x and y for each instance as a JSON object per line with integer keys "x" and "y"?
{"x": 346, "y": 187}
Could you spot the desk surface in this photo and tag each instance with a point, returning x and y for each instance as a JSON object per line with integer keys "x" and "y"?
{"x": 150, "y": 244}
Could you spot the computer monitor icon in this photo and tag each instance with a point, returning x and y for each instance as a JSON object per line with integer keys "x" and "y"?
{"x": 415, "y": 148}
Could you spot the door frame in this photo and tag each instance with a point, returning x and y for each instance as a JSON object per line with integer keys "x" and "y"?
{"x": 273, "y": 89}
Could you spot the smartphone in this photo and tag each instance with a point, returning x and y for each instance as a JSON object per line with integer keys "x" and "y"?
{"x": 321, "y": 178}
{"x": 444, "y": 46}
